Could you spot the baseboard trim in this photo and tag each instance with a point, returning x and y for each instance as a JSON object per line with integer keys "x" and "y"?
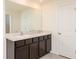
{"x": 54, "y": 52}
{"x": 59, "y": 54}
{"x": 64, "y": 56}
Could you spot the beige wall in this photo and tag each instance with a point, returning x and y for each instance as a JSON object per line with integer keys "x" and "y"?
{"x": 50, "y": 21}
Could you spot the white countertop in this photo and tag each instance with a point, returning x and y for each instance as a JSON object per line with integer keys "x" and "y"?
{"x": 27, "y": 35}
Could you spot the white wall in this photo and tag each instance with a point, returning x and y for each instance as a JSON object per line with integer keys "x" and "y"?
{"x": 31, "y": 19}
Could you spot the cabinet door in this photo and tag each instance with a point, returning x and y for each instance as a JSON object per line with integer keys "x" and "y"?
{"x": 34, "y": 51}
{"x": 42, "y": 48}
{"x": 21, "y": 52}
{"x": 48, "y": 45}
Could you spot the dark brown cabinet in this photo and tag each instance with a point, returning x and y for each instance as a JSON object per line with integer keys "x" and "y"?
{"x": 34, "y": 51}
{"x": 19, "y": 43}
{"x": 48, "y": 43}
{"x": 32, "y": 48}
{"x": 48, "y": 48}
{"x": 21, "y": 52}
{"x": 41, "y": 48}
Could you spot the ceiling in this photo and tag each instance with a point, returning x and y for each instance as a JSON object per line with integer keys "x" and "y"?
{"x": 11, "y": 5}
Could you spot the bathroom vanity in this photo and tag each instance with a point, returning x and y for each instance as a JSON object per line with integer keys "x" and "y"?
{"x": 28, "y": 46}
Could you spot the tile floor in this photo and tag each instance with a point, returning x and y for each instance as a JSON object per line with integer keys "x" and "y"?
{"x": 52, "y": 56}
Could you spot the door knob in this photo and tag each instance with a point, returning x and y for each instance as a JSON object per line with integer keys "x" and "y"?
{"x": 59, "y": 33}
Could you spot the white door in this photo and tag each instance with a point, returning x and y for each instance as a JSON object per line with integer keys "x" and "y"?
{"x": 66, "y": 31}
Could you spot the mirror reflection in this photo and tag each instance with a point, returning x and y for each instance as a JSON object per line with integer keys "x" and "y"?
{"x": 21, "y": 18}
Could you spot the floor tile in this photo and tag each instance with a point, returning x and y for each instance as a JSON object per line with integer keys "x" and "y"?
{"x": 52, "y": 56}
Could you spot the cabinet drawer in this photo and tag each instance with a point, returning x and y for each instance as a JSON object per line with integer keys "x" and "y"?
{"x": 35, "y": 39}
{"x": 45, "y": 37}
{"x": 49, "y": 36}
{"x": 28, "y": 41}
{"x": 41, "y": 38}
{"x": 19, "y": 43}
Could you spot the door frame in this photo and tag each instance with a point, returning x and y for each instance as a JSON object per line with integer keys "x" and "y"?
{"x": 9, "y": 22}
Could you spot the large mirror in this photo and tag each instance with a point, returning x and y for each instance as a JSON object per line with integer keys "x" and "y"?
{"x": 22, "y": 18}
